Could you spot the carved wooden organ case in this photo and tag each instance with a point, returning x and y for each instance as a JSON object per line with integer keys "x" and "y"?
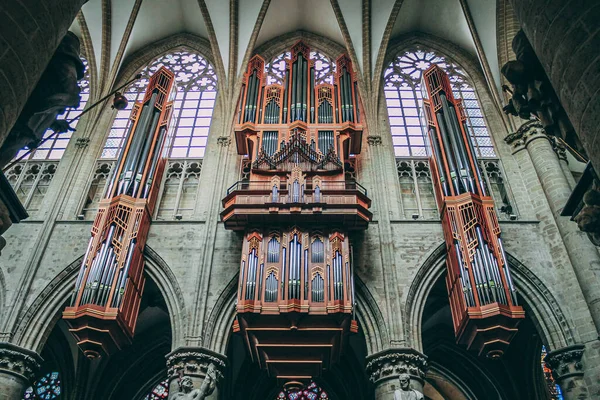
{"x": 106, "y": 299}
{"x": 483, "y": 299}
{"x": 297, "y": 210}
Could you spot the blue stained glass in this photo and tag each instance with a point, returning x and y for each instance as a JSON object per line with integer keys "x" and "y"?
{"x": 47, "y": 387}
{"x": 311, "y": 392}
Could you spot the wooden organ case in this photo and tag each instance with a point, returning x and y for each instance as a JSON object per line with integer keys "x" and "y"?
{"x": 297, "y": 210}
{"x": 482, "y": 296}
{"x": 106, "y": 299}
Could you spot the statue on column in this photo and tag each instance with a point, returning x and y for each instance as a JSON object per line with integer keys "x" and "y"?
{"x": 56, "y": 90}
{"x": 186, "y": 386}
{"x": 533, "y": 94}
{"x": 405, "y": 392}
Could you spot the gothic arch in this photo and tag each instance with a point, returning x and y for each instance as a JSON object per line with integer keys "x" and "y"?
{"x": 542, "y": 306}
{"x": 221, "y": 318}
{"x": 179, "y": 41}
{"x": 41, "y": 316}
{"x": 467, "y": 62}
{"x": 282, "y": 43}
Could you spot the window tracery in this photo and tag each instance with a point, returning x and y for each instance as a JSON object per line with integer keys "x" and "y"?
{"x": 196, "y": 85}
{"x": 47, "y": 387}
{"x": 311, "y": 392}
{"x": 403, "y": 97}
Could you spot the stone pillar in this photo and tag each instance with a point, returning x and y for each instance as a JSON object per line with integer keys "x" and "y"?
{"x": 29, "y": 35}
{"x": 566, "y": 39}
{"x": 195, "y": 370}
{"x": 582, "y": 253}
{"x": 18, "y": 367}
{"x": 384, "y": 369}
{"x": 567, "y": 370}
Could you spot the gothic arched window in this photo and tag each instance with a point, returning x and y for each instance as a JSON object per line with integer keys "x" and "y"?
{"x": 196, "y": 85}
{"x": 47, "y": 387}
{"x": 159, "y": 392}
{"x": 54, "y": 148}
{"x": 402, "y": 80}
{"x": 311, "y": 392}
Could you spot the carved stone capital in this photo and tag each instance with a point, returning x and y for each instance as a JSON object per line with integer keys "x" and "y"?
{"x": 566, "y": 361}
{"x": 527, "y": 132}
{"x": 193, "y": 362}
{"x": 389, "y": 364}
{"x": 374, "y": 140}
{"x": 18, "y": 361}
{"x": 567, "y": 370}
{"x": 224, "y": 141}
{"x": 82, "y": 143}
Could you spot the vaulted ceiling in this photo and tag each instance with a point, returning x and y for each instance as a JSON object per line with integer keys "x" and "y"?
{"x": 114, "y": 29}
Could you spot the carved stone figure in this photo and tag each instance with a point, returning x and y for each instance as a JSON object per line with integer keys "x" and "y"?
{"x": 56, "y": 90}
{"x": 588, "y": 219}
{"x": 532, "y": 93}
{"x": 186, "y": 386}
{"x": 405, "y": 392}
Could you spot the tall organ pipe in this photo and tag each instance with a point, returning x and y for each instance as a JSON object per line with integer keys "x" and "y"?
{"x": 304, "y": 87}
{"x": 439, "y": 165}
{"x": 293, "y": 99}
{"x": 141, "y": 163}
{"x": 312, "y": 95}
{"x": 449, "y": 154}
{"x": 285, "y": 96}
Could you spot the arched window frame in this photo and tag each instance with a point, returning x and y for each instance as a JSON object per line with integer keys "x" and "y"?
{"x": 310, "y": 392}
{"x": 402, "y": 91}
{"x": 196, "y": 85}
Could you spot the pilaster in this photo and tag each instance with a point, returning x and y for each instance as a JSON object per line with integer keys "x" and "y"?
{"x": 567, "y": 369}
{"x": 18, "y": 367}
{"x": 200, "y": 366}
{"x": 384, "y": 370}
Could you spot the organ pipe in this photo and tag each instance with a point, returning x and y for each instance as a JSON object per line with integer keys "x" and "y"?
{"x": 107, "y": 293}
{"x": 478, "y": 273}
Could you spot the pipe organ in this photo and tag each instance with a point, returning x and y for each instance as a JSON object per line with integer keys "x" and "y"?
{"x": 107, "y": 294}
{"x": 295, "y": 300}
{"x": 482, "y": 295}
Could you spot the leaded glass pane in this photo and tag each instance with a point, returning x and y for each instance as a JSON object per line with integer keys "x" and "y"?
{"x": 403, "y": 97}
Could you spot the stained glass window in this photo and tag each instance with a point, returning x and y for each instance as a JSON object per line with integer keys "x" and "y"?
{"x": 196, "y": 84}
{"x": 47, "y": 387}
{"x": 403, "y": 97}
{"x": 53, "y": 149}
{"x": 553, "y": 388}
{"x": 311, "y": 392}
{"x": 160, "y": 391}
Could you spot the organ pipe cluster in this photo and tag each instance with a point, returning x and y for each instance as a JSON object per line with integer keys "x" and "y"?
{"x": 478, "y": 272}
{"x": 300, "y": 98}
{"x": 108, "y": 288}
{"x": 296, "y": 271}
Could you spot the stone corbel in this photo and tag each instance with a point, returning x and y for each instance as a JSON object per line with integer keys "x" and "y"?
{"x": 374, "y": 140}
{"x": 224, "y": 141}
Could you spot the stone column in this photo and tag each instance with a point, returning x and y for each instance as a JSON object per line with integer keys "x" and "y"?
{"x": 567, "y": 370}
{"x": 384, "y": 369}
{"x": 29, "y": 35}
{"x": 566, "y": 39}
{"x": 582, "y": 253}
{"x": 195, "y": 370}
{"x": 18, "y": 367}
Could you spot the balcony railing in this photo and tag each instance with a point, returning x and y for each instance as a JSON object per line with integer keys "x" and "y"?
{"x": 300, "y": 190}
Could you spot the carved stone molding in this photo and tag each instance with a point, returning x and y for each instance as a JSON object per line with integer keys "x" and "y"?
{"x": 374, "y": 140}
{"x": 224, "y": 141}
{"x": 389, "y": 364}
{"x": 18, "y": 361}
{"x": 567, "y": 370}
{"x": 194, "y": 362}
{"x": 527, "y": 132}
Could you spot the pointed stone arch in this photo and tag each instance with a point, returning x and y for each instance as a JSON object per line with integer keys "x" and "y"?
{"x": 39, "y": 318}
{"x": 543, "y": 308}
